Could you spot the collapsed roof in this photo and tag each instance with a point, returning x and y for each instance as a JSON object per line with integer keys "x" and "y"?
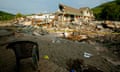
{"x": 70, "y": 10}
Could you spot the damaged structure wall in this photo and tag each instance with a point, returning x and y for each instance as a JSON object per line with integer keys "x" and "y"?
{"x": 69, "y": 14}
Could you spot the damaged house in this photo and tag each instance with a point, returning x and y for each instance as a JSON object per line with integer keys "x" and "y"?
{"x": 70, "y": 14}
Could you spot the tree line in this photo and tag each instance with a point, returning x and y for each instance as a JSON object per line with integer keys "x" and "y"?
{"x": 8, "y": 16}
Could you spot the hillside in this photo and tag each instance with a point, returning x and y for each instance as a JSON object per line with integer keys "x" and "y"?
{"x": 6, "y": 16}
{"x": 107, "y": 11}
{"x": 98, "y": 9}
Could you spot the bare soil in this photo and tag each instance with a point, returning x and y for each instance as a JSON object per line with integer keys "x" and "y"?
{"x": 59, "y": 52}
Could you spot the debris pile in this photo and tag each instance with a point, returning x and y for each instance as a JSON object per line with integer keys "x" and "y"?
{"x": 72, "y": 31}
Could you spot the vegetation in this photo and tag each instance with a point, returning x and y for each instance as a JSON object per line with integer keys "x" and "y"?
{"x": 19, "y": 15}
{"x": 108, "y": 11}
{"x": 118, "y": 1}
{"x": 6, "y": 16}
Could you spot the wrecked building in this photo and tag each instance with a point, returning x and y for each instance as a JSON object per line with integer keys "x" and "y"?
{"x": 70, "y": 14}
{"x": 65, "y": 15}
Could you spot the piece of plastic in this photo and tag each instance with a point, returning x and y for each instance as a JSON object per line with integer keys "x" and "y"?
{"x": 87, "y": 55}
{"x": 46, "y": 57}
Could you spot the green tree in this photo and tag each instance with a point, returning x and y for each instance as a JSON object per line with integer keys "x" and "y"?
{"x": 19, "y": 15}
{"x": 117, "y": 1}
{"x": 111, "y": 12}
{"x": 6, "y": 16}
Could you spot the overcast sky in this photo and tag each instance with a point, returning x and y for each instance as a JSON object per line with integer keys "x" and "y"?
{"x": 37, "y": 6}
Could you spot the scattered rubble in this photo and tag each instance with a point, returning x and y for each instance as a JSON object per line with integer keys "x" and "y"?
{"x": 77, "y": 38}
{"x": 72, "y": 31}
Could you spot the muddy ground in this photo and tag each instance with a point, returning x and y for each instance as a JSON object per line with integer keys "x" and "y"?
{"x": 59, "y": 51}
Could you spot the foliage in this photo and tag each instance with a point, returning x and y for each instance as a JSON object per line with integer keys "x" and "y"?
{"x": 98, "y": 10}
{"x": 6, "y": 16}
{"x": 19, "y": 15}
{"x": 111, "y": 12}
{"x": 108, "y": 11}
{"x": 118, "y": 1}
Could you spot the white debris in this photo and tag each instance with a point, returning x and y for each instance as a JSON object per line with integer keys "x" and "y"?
{"x": 53, "y": 41}
{"x": 87, "y": 55}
